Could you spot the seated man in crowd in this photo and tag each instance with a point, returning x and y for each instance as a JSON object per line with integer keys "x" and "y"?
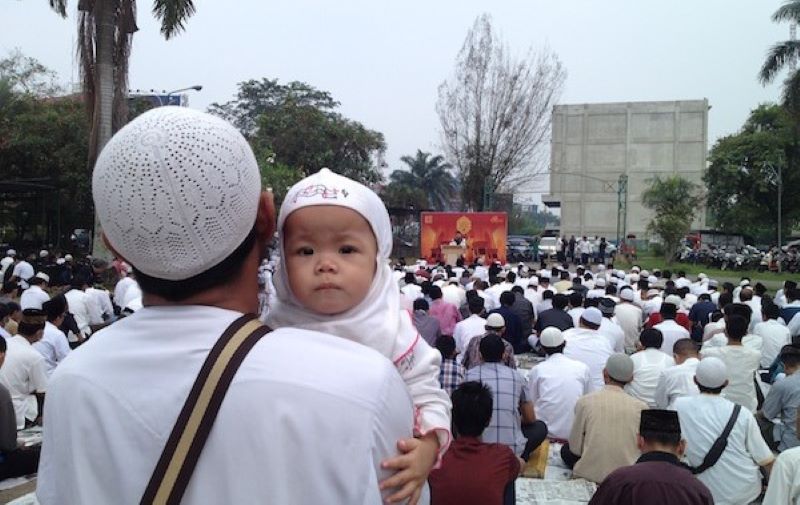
{"x": 678, "y": 380}
{"x": 603, "y": 436}
{"x": 472, "y": 471}
{"x": 495, "y": 325}
{"x": 24, "y": 372}
{"x": 658, "y": 477}
{"x": 451, "y": 372}
{"x": 15, "y": 461}
{"x": 513, "y": 421}
{"x": 783, "y": 400}
{"x": 648, "y": 364}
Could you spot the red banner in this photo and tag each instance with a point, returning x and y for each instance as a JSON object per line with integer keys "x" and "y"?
{"x": 485, "y": 234}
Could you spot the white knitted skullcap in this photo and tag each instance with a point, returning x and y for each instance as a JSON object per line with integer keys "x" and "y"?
{"x": 176, "y": 191}
{"x": 711, "y": 372}
{"x": 551, "y": 337}
{"x": 495, "y": 321}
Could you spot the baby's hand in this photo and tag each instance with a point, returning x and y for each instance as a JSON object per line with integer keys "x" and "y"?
{"x": 413, "y": 465}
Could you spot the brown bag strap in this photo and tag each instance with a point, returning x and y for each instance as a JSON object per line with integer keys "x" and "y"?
{"x": 182, "y": 451}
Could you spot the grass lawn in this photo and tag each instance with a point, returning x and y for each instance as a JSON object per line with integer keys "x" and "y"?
{"x": 648, "y": 261}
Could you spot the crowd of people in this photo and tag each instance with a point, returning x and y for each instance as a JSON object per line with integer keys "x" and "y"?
{"x": 194, "y": 367}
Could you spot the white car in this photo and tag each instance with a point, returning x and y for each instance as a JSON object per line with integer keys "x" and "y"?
{"x": 548, "y": 247}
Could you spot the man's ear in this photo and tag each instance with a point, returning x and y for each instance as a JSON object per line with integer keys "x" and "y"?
{"x": 265, "y": 219}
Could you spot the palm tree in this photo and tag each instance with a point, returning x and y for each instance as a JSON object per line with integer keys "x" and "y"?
{"x": 431, "y": 174}
{"x": 105, "y": 33}
{"x": 781, "y": 54}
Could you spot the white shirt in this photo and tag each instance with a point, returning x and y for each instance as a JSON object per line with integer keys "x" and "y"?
{"x": 629, "y": 318}
{"x": 4, "y": 264}
{"x": 784, "y": 486}
{"x": 24, "y": 271}
{"x": 613, "y": 332}
{"x": 33, "y": 298}
{"x": 412, "y": 291}
{"x": 672, "y": 332}
{"x": 53, "y": 347}
{"x": 676, "y": 381}
{"x": 647, "y": 367}
{"x": 454, "y": 295}
{"x": 101, "y": 305}
{"x": 554, "y": 387}
{"x": 23, "y": 373}
{"x": 590, "y": 348}
{"x": 533, "y": 295}
{"x": 465, "y": 330}
{"x": 774, "y": 335}
{"x": 121, "y": 288}
{"x": 651, "y": 306}
{"x": 741, "y": 363}
{"x": 735, "y": 478}
{"x": 270, "y": 426}
{"x": 81, "y": 306}
{"x": 575, "y": 313}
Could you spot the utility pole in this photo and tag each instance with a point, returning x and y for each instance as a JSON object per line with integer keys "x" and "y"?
{"x": 622, "y": 207}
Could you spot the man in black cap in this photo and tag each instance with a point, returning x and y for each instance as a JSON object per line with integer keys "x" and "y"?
{"x": 657, "y": 477}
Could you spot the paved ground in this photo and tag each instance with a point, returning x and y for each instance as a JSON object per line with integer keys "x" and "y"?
{"x": 15, "y": 492}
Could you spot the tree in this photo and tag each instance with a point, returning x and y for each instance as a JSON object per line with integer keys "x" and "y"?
{"x": 105, "y": 34}
{"x": 495, "y": 113}
{"x": 429, "y": 176}
{"x": 298, "y": 127}
{"x": 742, "y": 176}
{"x": 674, "y": 201}
{"x": 781, "y": 54}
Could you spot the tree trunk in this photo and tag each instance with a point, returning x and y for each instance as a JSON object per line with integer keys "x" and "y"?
{"x": 104, "y": 96}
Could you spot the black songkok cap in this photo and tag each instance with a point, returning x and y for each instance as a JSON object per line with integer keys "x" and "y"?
{"x": 659, "y": 421}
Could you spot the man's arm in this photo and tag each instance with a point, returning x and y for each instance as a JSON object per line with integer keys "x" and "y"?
{"x": 527, "y": 413}
{"x": 8, "y": 422}
{"x": 577, "y": 432}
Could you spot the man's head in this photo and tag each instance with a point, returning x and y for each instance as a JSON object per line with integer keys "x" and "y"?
{"x": 421, "y": 304}
{"x": 651, "y": 338}
{"x": 684, "y": 349}
{"x": 660, "y": 430}
{"x": 591, "y": 318}
{"x": 178, "y": 194}
{"x": 769, "y": 310}
{"x": 511, "y": 277}
{"x": 790, "y": 357}
{"x": 618, "y": 370}
{"x": 517, "y": 290}
{"x": 746, "y": 294}
{"x": 56, "y": 309}
{"x": 552, "y": 340}
{"x": 495, "y": 323}
{"x": 476, "y": 305}
{"x": 31, "y": 326}
{"x": 492, "y": 348}
{"x": 40, "y": 279}
{"x": 435, "y": 292}
{"x": 606, "y": 306}
{"x": 560, "y": 301}
{"x": 472, "y": 409}
{"x": 626, "y": 294}
{"x": 446, "y": 346}
{"x": 735, "y": 327}
{"x": 711, "y": 376}
{"x": 575, "y": 299}
{"x": 668, "y": 310}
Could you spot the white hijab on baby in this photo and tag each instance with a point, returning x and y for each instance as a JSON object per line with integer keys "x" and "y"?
{"x": 378, "y": 321}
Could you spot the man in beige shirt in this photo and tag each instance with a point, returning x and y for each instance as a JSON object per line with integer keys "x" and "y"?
{"x": 603, "y": 436}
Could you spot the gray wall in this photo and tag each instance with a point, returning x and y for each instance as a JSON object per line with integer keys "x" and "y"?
{"x": 603, "y": 141}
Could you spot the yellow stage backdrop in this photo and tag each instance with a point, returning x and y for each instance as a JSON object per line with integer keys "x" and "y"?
{"x": 486, "y": 234}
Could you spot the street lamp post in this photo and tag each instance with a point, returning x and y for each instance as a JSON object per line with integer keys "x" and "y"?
{"x": 778, "y": 173}
{"x": 161, "y": 103}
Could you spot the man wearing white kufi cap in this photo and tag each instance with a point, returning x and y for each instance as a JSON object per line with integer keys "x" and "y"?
{"x": 587, "y": 345}
{"x": 178, "y": 194}
{"x": 734, "y": 478}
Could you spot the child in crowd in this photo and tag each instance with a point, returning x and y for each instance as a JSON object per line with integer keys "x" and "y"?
{"x": 334, "y": 277}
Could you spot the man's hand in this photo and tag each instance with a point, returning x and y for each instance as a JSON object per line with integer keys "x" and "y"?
{"x": 412, "y": 467}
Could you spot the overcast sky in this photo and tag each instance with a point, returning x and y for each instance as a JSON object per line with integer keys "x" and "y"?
{"x": 384, "y": 61}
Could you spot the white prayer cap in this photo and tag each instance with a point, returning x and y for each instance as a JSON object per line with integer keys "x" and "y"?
{"x": 545, "y": 275}
{"x": 673, "y": 300}
{"x": 701, "y": 275}
{"x": 635, "y": 269}
{"x": 328, "y": 188}
{"x": 601, "y": 268}
{"x": 711, "y": 373}
{"x": 43, "y": 253}
{"x": 495, "y": 321}
{"x": 620, "y": 274}
{"x": 600, "y": 282}
{"x": 592, "y": 315}
{"x": 176, "y": 191}
{"x": 744, "y": 282}
{"x": 11, "y": 252}
{"x": 634, "y": 277}
{"x": 533, "y": 281}
{"x": 619, "y": 367}
{"x": 43, "y": 276}
{"x": 60, "y": 261}
{"x": 551, "y": 337}
{"x": 67, "y": 257}
{"x": 644, "y": 273}
{"x": 652, "y": 279}
{"x": 713, "y": 283}
{"x": 626, "y": 294}
{"x": 653, "y": 292}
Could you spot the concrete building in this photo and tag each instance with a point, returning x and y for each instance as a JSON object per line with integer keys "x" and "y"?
{"x": 594, "y": 144}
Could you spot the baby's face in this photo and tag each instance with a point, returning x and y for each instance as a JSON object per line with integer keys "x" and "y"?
{"x": 330, "y": 257}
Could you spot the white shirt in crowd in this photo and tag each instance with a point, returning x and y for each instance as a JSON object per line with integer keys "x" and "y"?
{"x": 533, "y": 295}
{"x": 81, "y": 306}
{"x": 53, "y": 347}
{"x": 101, "y": 306}
{"x": 23, "y": 374}
{"x": 675, "y": 382}
{"x": 735, "y": 478}
{"x": 454, "y": 295}
{"x": 6, "y": 262}
{"x": 264, "y": 431}
{"x": 575, "y": 313}
{"x": 741, "y": 363}
{"x": 24, "y": 271}
{"x": 672, "y": 332}
{"x": 629, "y": 318}
{"x": 613, "y": 332}
{"x": 774, "y": 335}
{"x": 784, "y": 486}
{"x": 647, "y": 367}
{"x": 554, "y": 387}
{"x": 466, "y": 329}
{"x": 412, "y": 291}
{"x": 121, "y": 289}
{"x": 33, "y": 298}
{"x": 651, "y": 306}
{"x": 590, "y": 348}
